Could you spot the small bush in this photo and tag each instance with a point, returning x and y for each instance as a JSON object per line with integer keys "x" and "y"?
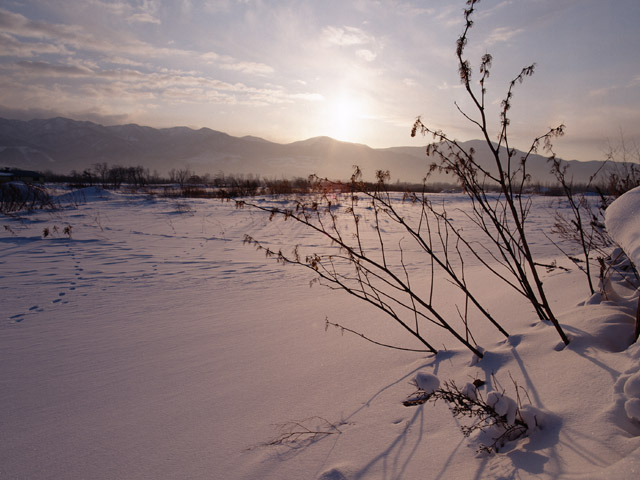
{"x": 495, "y": 420}
{"x": 18, "y": 196}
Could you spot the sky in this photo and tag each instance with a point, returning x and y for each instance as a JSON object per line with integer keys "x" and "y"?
{"x": 355, "y": 70}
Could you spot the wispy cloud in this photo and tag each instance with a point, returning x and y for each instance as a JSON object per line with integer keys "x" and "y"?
{"x": 47, "y": 69}
{"x": 248, "y": 67}
{"x": 143, "y": 18}
{"x": 357, "y": 41}
{"x": 409, "y": 9}
{"x": 502, "y": 34}
{"x": 135, "y": 85}
{"x": 144, "y": 13}
{"x": 17, "y": 35}
{"x": 17, "y": 24}
{"x": 601, "y": 92}
{"x": 11, "y": 47}
{"x": 448, "y": 16}
{"x": 346, "y": 36}
{"x": 366, "y": 54}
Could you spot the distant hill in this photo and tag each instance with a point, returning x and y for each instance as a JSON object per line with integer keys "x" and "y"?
{"x": 61, "y": 145}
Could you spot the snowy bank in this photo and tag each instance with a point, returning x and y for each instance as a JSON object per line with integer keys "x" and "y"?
{"x": 623, "y": 223}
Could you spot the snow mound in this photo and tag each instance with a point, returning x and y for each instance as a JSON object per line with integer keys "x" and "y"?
{"x": 503, "y": 405}
{"x": 469, "y": 391}
{"x": 84, "y": 195}
{"x": 427, "y": 382}
{"x": 632, "y": 407}
{"x": 632, "y": 386}
{"x": 622, "y": 220}
{"x": 631, "y": 396}
{"x": 535, "y": 418}
{"x": 338, "y": 473}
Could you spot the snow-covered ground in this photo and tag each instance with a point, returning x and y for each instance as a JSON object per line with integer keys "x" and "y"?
{"x": 151, "y": 343}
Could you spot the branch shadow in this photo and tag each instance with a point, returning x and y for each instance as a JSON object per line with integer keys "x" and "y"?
{"x": 434, "y": 362}
{"x": 399, "y": 462}
{"x": 394, "y": 460}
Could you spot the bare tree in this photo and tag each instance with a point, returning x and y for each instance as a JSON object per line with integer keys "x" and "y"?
{"x": 180, "y": 176}
{"x": 102, "y": 172}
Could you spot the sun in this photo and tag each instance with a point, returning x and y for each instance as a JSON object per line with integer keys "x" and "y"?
{"x": 344, "y": 116}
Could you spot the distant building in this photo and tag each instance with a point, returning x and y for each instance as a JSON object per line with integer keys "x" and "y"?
{"x": 25, "y": 176}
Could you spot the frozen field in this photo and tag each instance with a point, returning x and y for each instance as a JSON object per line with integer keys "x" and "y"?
{"x": 151, "y": 343}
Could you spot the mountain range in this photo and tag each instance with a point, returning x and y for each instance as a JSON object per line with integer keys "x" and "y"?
{"x": 61, "y": 145}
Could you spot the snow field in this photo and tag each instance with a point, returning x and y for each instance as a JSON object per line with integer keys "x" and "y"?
{"x": 154, "y": 344}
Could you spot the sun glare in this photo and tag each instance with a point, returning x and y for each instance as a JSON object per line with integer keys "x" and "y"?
{"x": 344, "y": 117}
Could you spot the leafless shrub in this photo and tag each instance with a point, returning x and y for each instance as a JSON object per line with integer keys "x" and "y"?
{"x": 584, "y": 226}
{"x": 374, "y": 271}
{"x": 502, "y": 218}
{"x": 302, "y": 432}
{"x": 18, "y": 196}
{"x": 623, "y": 162}
{"x": 496, "y": 418}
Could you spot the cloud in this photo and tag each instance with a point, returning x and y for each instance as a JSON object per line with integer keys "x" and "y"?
{"x": 248, "y": 67}
{"x": 346, "y": 36}
{"x": 11, "y": 47}
{"x": 145, "y": 13}
{"x": 210, "y": 57}
{"x": 363, "y": 45}
{"x": 216, "y": 6}
{"x": 143, "y": 18}
{"x": 601, "y": 92}
{"x": 502, "y": 34}
{"x": 446, "y": 86}
{"x": 91, "y": 115}
{"x": 17, "y": 24}
{"x": 488, "y": 11}
{"x": 616, "y": 88}
{"x": 131, "y": 88}
{"x": 309, "y": 97}
{"x": 449, "y": 16}
{"x": 76, "y": 38}
{"x": 117, "y": 60}
{"x": 21, "y": 38}
{"x": 114, "y": 8}
{"x": 366, "y": 55}
{"x": 409, "y": 9}
{"x": 47, "y": 69}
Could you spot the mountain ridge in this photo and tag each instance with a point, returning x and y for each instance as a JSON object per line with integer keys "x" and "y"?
{"x": 61, "y": 144}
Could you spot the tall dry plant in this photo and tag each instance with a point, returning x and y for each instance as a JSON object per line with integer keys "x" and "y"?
{"x": 362, "y": 261}
{"x": 502, "y": 218}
